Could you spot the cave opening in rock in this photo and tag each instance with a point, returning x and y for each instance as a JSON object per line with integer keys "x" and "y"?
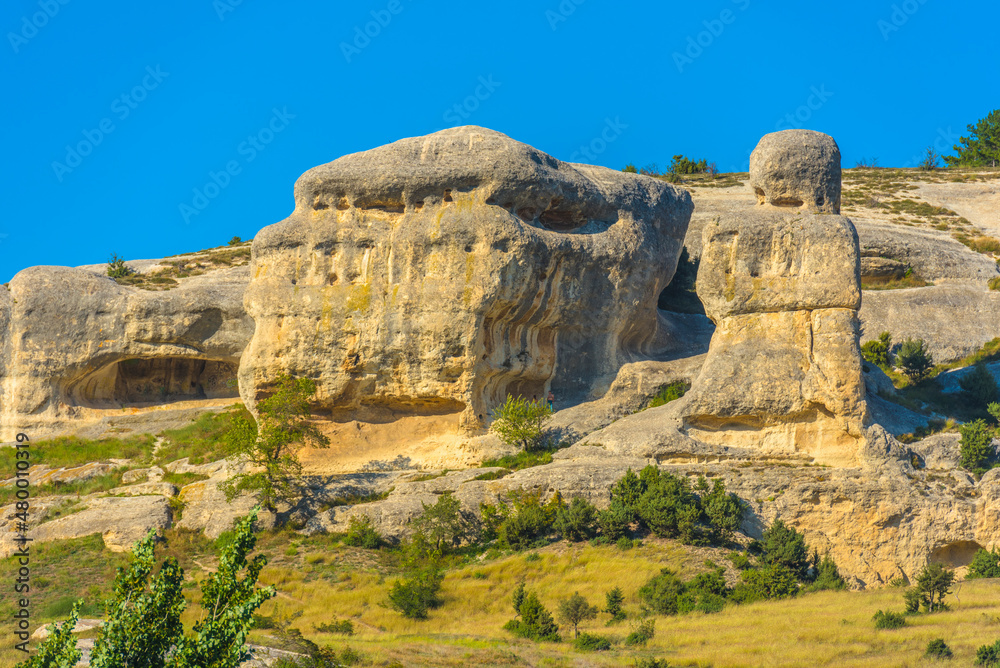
{"x": 157, "y": 380}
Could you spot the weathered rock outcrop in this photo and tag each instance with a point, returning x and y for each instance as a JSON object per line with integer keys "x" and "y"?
{"x": 78, "y": 346}
{"x": 783, "y": 286}
{"x": 436, "y": 275}
{"x": 955, "y": 319}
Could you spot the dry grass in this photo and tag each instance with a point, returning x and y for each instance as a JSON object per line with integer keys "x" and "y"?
{"x": 327, "y": 581}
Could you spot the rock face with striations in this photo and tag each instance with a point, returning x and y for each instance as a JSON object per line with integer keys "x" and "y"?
{"x": 76, "y": 347}
{"x": 435, "y": 275}
{"x": 782, "y": 285}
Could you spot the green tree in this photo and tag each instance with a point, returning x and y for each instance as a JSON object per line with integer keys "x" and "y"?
{"x": 827, "y": 576}
{"x": 986, "y": 564}
{"x": 937, "y": 649}
{"x": 444, "y": 524}
{"x": 59, "y": 650}
{"x": 574, "y": 610}
{"x": 662, "y": 592}
{"x": 914, "y": 358}
{"x": 577, "y": 521}
{"x": 613, "y": 601}
{"x": 979, "y": 385}
{"x": 878, "y": 351}
{"x": 784, "y": 546}
{"x": 535, "y": 623}
{"x": 521, "y": 422}
{"x": 414, "y": 595}
{"x": 269, "y": 444}
{"x": 142, "y": 618}
{"x": 933, "y": 584}
{"x": 117, "y": 267}
{"x": 229, "y": 599}
{"x": 773, "y": 581}
{"x": 976, "y": 446}
{"x": 982, "y": 147}
{"x": 724, "y": 512}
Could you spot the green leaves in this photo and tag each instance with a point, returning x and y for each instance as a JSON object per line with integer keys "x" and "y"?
{"x": 59, "y": 649}
{"x": 521, "y": 422}
{"x": 976, "y": 446}
{"x": 269, "y": 444}
{"x": 982, "y": 147}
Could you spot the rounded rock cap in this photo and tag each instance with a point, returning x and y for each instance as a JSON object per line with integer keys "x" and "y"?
{"x": 797, "y": 169}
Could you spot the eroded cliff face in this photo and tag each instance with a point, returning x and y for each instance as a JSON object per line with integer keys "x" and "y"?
{"x": 78, "y": 347}
{"x": 782, "y": 285}
{"x": 436, "y": 275}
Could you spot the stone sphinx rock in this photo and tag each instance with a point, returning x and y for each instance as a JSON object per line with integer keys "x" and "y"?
{"x": 435, "y": 275}
{"x": 77, "y": 347}
{"x": 782, "y": 285}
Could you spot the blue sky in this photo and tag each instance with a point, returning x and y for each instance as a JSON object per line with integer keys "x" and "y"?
{"x": 150, "y": 129}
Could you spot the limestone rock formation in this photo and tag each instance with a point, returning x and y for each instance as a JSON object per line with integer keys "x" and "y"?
{"x": 434, "y": 276}
{"x": 797, "y": 169}
{"x": 77, "y": 346}
{"x": 782, "y": 285}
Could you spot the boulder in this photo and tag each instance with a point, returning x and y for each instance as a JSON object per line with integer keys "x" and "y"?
{"x": 434, "y": 276}
{"x": 932, "y": 255}
{"x": 797, "y": 169}
{"x": 78, "y": 346}
{"x": 121, "y": 521}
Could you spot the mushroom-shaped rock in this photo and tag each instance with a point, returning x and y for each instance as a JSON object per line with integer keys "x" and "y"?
{"x": 438, "y": 274}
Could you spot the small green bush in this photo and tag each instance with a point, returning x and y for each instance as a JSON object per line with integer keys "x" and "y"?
{"x": 773, "y": 581}
{"x": 827, "y": 576}
{"x": 786, "y": 547}
{"x": 662, "y": 592}
{"x": 669, "y": 393}
{"x": 889, "y": 620}
{"x": 878, "y": 351}
{"x": 535, "y": 621}
{"x": 341, "y": 626}
{"x": 976, "y": 446}
{"x": 979, "y": 385}
{"x": 235, "y": 241}
{"x": 914, "y": 358}
{"x": 117, "y": 267}
{"x": 588, "y": 642}
{"x": 361, "y": 533}
{"x": 613, "y": 605}
{"x": 988, "y": 655}
{"x": 985, "y": 564}
{"x": 642, "y": 632}
{"x": 649, "y": 662}
{"x": 937, "y": 649}
{"x": 417, "y": 594}
{"x": 578, "y": 521}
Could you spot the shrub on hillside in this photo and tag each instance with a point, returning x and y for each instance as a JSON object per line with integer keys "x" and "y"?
{"x": 642, "y": 632}
{"x": 933, "y": 584}
{"x": 988, "y": 655}
{"x": 415, "y": 595}
{"x": 979, "y": 385}
{"x": 576, "y": 609}
{"x": 668, "y": 507}
{"x": 445, "y": 524}
{"x": 613, "y": 601}
{"x": 117, "y": 267}
{"x": 889, "y": 620}
{"x": 521, "y": 520}
{"x": 773, "y": 581}
{"x": 976, "y": 446}
{"x": 666, "y": 594}
{"x": 361, "y": 533}
{"x": 577, "y": 521}
{"x": 589, "y": 642}
{"x": 914, "y": 358}
{"x": 724, "y": 511}
{"x": 937, "y": 649}
{"x": 533, "y": 621}
{"x": 878, "y": 351}
{"x": 662, "y": 592}
{"x": 827, "y": 576}
{"x": 986, "y": 564}
{"x": 784, "y": 546}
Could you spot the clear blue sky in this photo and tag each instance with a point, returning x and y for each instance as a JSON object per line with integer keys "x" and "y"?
{"x": 153, "y": 98}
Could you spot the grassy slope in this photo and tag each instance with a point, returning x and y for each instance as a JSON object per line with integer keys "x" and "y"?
{"x": 327, "y": 581}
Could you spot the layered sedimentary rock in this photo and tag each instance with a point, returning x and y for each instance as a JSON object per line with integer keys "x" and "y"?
{"x": 77, "y": 346}
{"x": 782, "y": 285}
{"x": 438, "y": 274}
